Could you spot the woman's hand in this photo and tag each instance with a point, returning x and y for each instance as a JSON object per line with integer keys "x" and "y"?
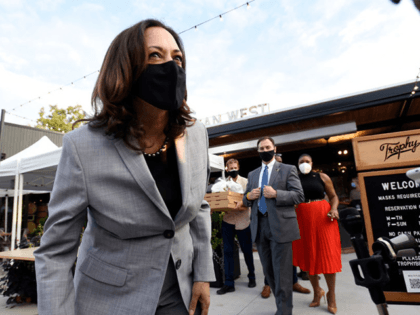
{"x": 200, "y": 293}
{"x": 333, "y": 214}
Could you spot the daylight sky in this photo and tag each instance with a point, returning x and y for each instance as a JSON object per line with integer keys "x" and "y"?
{"x": 286, "y": 53}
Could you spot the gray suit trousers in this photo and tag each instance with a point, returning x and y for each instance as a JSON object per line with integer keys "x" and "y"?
{"x": 277, "y": 262}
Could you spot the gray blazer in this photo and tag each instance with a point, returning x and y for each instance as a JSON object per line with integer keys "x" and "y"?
{"x": 130, "y": 235}
{"x": 281, "y": 211}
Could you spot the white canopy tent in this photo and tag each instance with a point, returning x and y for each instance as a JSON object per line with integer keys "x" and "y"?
{"x": 217, "y": 163}
{"x": 36, "y": 172}
{"x": 11, "y": 177}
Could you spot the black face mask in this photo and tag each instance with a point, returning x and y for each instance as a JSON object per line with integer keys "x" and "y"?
{"x": 267, "y": 155}
{"x": 233, "y": 174}
{"x": 162, "y": 85}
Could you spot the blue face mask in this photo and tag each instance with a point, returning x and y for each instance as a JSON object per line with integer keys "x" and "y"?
{"x": 353, "y": 185}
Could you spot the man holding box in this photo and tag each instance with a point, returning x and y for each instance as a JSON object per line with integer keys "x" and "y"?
{"x": 236, "y": 222}
{"x": 272, "y": 191}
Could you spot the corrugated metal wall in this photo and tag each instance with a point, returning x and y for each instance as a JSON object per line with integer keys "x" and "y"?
{"x": 15, "y": 138}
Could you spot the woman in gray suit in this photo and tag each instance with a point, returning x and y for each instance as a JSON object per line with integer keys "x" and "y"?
{"x": 138, "y": 171}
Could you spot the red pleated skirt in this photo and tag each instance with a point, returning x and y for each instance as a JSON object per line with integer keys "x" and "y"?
{"x": 318, "y": 251}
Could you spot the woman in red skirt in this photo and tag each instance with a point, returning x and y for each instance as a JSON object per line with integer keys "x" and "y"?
{"x": 319, "y": 250}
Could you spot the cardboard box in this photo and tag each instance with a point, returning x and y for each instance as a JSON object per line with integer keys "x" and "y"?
{"x": 224, "y": 201}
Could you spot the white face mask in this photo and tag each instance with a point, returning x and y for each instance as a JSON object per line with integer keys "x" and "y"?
{"x": 305, "y": 168}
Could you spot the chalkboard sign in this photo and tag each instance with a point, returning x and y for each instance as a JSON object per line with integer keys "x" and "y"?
{"x": 391, "y": 206}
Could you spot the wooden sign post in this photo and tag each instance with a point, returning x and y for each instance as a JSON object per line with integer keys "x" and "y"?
{"x": 391, "y": 202}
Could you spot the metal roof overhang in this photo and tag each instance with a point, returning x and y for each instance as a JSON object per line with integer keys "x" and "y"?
{"x": 383, "y": 110}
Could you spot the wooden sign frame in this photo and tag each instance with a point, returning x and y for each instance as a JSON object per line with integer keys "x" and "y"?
{"x": 364, "y": 163}
{"x": 390, "y": 296}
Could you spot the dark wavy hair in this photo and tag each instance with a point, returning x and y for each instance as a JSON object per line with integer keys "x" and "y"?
{"x": 112, "y": 97}
{"x": 304, "y": 154}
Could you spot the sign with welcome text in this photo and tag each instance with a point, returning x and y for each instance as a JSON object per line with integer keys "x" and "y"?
{"x": 389, "y": 150}
{"x": 391, "y": 202}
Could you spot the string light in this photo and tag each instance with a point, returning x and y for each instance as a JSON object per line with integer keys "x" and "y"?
{"x": 46, "y": 125}
{"x": 21, "y": 117}
{"x": 57, "y": 89}
{"x": 415, "y": 87}
{"x": 220, "y": 16}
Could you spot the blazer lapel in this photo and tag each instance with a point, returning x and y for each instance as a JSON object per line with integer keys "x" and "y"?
{"x": 138, "y": 168}
{"x": 182, "y": 154}
{"x": 274, "y": 173}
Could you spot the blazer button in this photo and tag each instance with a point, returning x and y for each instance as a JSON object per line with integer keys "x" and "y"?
{"x": 178, "y": 264}
{"x": 169, "y": 233}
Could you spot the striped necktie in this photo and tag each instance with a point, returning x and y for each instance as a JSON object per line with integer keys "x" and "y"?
{"x": 264, "y": 182}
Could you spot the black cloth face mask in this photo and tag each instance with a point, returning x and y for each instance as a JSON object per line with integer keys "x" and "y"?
{"x": 162, "y": 85}
{"x": 233, "y": 173}
{"x": 267, "y": 155}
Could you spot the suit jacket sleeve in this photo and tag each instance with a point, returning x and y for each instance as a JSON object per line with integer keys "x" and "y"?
{"x": 246, "y": 202}
{"x": 59, "y": 244}
{"x": 200, "y": 229}
{"x": 293, "y": 194}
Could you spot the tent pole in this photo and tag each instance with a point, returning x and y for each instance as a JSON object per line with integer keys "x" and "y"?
{"x": 19, "y": 224}
{"x": 3, "y": 116}
{"x": 15, "y": 200}
{"x": 6, "y": 208}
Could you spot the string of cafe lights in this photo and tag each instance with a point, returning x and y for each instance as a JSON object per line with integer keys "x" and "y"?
{"x": 220, "y": 16}
{"x": 413, "y": 92}
{"x": 415, "y": 87}
{"x": 9, "y": 113}
{"x": 57, "y": 89}
{"x": 36, "y": 122}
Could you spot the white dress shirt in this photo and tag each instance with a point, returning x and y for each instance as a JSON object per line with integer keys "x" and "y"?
{"x": 270, "y": 168}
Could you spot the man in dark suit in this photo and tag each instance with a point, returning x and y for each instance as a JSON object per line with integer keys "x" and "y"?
{"x": 272, "y": 191}
{"x": 296, "y": 285}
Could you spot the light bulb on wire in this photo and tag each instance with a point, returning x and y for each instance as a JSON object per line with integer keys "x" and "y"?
{"x": 221, "y": 18}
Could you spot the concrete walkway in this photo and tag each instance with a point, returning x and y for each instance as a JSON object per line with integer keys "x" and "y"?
{"x": 351, "y": 299}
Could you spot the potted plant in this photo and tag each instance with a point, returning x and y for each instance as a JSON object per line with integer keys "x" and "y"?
{"x": 217, "y": 245}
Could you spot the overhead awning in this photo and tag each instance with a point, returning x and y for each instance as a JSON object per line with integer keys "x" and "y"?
{"x": 383, "y": 110}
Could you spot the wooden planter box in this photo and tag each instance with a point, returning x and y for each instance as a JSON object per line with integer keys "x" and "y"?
{"x": 224, "y": 201}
